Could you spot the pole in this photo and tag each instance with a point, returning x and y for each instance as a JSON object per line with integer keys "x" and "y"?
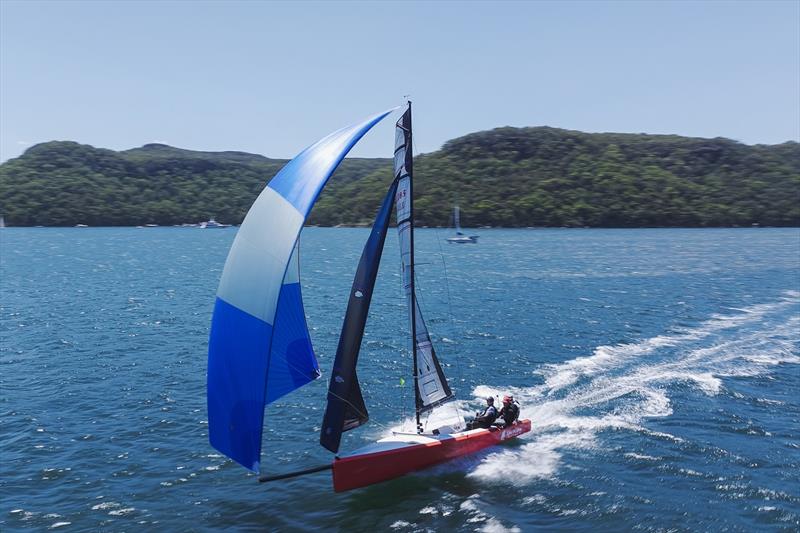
{"x": 409, "y": 169}
{"x": 264, "y": 479}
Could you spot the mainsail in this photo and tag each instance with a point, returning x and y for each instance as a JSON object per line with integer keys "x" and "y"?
{"x": 259, "y": 347}
{"x": 457, "y": 220}
{"x": 346, "y": 409}
{"x": 430, "y": 385}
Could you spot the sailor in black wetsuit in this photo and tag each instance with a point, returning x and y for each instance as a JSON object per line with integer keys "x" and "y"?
{"x": 486, "y": 418}
{"x": 510, "y": 411}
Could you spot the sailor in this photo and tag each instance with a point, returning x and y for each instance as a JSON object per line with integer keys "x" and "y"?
{"x": 510, "y": 410}
{"x": 486, "y": 418}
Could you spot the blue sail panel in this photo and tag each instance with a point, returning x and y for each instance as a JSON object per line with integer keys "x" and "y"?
{"x": 259, "y": 346}
{"x": 292, "y": 363}
{"x": 319, "y": 159}
{"x": 236, "y": 349}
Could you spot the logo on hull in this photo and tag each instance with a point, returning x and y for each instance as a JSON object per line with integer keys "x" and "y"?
{"x": 513, "y": 431}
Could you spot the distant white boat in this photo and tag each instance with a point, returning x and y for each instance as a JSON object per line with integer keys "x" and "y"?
{"x": 81, "y": 226}
{"x": 2, "y": 222}
{"x": 211, "y": 223}
{"x": 460, "y": 238}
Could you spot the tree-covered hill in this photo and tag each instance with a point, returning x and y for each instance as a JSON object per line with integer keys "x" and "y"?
{"x": 504, "y": 177}
{"x": 66, "y": 183}
{"x": 553, "y": 177}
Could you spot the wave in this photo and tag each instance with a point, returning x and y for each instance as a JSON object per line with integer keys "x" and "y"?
{"x": 603, "y": 358}
{"x": 620, "y": 387}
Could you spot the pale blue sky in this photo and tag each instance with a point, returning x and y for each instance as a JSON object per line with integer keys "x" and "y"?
{"x": 271, "y": 78}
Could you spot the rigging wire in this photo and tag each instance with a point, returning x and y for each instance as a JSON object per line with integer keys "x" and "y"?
{"x": 449, "y": 303}
{"x": 456, "y": 349}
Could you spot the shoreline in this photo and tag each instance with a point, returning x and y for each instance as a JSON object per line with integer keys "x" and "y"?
{"x": 362, "y": 226}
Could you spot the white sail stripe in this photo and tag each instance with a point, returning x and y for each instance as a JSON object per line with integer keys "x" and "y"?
{"x": 399, "y": 138}
{"x": 253, "y": 274}
{"x": 426, "y": 369}
{"x": 399, "y": 160}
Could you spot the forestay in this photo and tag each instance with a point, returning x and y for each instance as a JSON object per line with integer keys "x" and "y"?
{"x": 259, "y": 346}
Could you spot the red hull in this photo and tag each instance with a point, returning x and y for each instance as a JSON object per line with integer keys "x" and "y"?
{"x": 365, "y": 469}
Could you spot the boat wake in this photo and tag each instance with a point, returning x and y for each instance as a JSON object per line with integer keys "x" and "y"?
{"x": 622, "y": 387}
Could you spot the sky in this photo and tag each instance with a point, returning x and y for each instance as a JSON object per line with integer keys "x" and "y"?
{"x": 272, "y": 77}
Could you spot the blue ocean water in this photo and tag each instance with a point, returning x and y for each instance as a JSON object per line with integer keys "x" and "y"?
{"x": 660, "y": 368}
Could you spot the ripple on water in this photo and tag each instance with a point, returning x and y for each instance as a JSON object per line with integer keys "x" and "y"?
{"x": 659, "y": 369}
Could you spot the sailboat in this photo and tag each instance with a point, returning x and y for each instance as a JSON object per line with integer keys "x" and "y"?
{"x": 460, "y": 238}
{"x": 260, "y": 348}
{"x": 211, "y": 223}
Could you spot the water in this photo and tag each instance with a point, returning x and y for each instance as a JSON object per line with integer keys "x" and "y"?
{"x": 660, "y": 368}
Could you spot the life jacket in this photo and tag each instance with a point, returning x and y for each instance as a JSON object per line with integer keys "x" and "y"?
{"x": 510, "y": 412}
{"x": 490, "y": 413}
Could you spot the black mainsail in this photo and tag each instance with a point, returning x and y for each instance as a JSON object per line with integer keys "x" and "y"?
{"x": 430, "y": 385}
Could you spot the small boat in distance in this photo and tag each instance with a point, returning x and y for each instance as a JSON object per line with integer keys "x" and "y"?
{"x": 260, "y": 347}
{"x": 211, "y": 223}
{"x": 460, "y": 238}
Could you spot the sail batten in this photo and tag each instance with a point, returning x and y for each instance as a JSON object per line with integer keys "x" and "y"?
{"x": 259, "y": 345}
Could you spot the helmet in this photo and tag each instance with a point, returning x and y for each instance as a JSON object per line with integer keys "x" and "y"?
{"x": 489, "y": 399}
{"x": 508, "y": 398}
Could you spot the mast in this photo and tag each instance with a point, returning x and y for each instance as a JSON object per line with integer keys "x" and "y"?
{"x": 430, "y": 385}
{"x": 410, "y": 170}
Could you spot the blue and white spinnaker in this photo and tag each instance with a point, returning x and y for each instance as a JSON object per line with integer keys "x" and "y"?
{"x": 259, "y": 346}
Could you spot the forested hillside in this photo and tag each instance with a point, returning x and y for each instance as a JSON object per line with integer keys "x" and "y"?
{"x": 504, "y": 177}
